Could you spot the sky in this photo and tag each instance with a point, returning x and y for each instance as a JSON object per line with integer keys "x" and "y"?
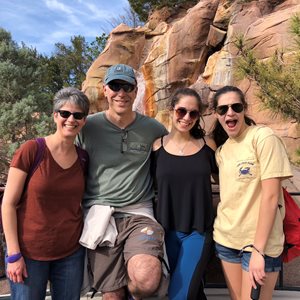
{"x": 42, "y": 23}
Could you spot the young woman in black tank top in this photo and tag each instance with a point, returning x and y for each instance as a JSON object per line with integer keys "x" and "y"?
{"x": 184, "y": 162}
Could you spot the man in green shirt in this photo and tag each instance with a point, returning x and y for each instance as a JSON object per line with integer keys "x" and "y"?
{"x": 119, "y": 142}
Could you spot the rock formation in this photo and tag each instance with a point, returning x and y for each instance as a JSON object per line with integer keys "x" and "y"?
{"x": 194, "y": 48}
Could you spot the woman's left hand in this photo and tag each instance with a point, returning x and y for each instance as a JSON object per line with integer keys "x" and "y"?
{"x": 17, "y": 271}
{"x": 257, "y": 268}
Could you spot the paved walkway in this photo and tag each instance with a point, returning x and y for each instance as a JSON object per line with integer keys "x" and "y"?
{"x": 212, "y": 294}
{"x": 222, "y": 294}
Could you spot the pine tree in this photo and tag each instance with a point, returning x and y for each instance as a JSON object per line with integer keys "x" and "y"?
{"x": 28, "y": 82}
{"x": 72, "y": 62}
{"x": 144, "y": 7}
{"x": 25, "y": 104}
{"x": 278, "y": 78}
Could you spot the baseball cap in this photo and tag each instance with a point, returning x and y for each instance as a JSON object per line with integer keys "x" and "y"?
{"x": 121, "y": 72}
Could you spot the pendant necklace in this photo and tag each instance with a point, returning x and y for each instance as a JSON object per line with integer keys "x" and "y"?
{"x": 181, "y": 149}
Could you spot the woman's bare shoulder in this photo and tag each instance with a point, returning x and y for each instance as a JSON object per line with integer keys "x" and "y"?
{"x": 157, "y": 144}
{"x": 210, "y": 142}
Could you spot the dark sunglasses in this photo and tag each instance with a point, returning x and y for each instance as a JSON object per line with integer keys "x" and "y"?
{"x": 66, "y": 114}
{"x": 117, "y": 86}
{"x": 222, "y": 109}
{"x": 124, "y": 137}
{"x": 181, "y": 112}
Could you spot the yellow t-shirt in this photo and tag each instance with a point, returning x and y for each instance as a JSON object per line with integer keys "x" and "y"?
{"x": 245, "y": 161}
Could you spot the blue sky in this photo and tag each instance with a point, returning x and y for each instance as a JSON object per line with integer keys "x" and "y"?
{"x": 42, "y": 23}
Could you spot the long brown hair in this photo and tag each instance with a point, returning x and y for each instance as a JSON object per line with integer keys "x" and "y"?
{"x": 219, "y": 134}
{"x": 196, "y": 131}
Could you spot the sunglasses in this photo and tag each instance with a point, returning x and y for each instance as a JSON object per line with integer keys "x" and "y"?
{"x": 117, "y": 86}
{"x": 236, "y": 107}
{"x": 181, "y": 112}
{"x": 66, "y": 114}
{"x": 124, "y": 137}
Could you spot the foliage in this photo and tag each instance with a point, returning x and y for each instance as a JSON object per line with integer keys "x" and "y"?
{"x": 278, "y": 78}
{"x": 71, "y": 63}
{"x": 144, "y": 7}
{"x": 295, "y": 29}
{"x": 298, "y": 154}
{"x": 129, "y": 17}
{"x": 28, "y": 82}
{"x": 96, "y": 47}
{"x": 25, "y": 104}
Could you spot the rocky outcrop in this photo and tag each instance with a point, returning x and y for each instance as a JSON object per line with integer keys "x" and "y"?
{"x": 195, "y": 48}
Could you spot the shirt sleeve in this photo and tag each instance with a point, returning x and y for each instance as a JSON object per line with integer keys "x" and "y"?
{"x": 24, "y": 156}
{"x": 272, "y": 156}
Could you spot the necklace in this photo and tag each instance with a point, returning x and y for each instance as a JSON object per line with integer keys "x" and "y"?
{"x": 180, "y": 149}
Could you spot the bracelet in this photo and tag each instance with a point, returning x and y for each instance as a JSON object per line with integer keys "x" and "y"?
{"x": 13, "y": 258}
{"x": 258, "y": 251}
{"x": 252, "y": 246}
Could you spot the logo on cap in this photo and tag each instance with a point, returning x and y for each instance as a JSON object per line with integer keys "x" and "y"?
{"x": 120, "y": 72}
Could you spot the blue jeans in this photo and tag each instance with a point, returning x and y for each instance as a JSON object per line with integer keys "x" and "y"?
{"x": 65, "y": 276}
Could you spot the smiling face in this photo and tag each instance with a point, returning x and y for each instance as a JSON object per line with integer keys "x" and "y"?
{"x": 233, "y": 120}
{"x": 120, "y": 102}
{"x": 69, "y": 126}
{"x": 185, "y": 113}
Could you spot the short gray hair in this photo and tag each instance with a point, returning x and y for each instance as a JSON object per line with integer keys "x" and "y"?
{"x": 72, "y": 95}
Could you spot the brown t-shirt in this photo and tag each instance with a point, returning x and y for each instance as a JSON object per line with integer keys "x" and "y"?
{"x": 49, "y": 215}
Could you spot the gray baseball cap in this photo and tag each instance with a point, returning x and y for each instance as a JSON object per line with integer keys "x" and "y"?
{"x": 120, "y": 72}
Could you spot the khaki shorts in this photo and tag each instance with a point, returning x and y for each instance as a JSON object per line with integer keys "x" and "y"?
{"x": 136, "y": 235}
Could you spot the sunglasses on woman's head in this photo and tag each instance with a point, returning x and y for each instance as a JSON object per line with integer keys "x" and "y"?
{"x": 117, "y": 86}
{"x": 66, "y": 114}
{"x": 181, "y": 112}
{"x": 236, "y": 107}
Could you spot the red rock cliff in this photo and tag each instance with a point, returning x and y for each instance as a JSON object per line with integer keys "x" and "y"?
{"x": 194, "y": 48}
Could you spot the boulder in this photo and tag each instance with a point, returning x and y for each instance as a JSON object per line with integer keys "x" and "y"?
{"x": 194, "y": 46}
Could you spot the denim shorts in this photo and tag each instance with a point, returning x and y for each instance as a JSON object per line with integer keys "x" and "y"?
{"x": 272, "y": 264}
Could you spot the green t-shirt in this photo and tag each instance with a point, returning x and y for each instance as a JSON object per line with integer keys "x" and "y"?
{"x": 119, "y": 167}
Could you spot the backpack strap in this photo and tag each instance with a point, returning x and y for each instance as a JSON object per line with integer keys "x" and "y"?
{"x": 37, "y": 160}
{"x": 39, "y": 155}
{"x": 83, "y": 158}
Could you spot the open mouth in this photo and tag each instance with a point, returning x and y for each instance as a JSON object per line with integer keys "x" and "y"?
{"x": 231, "y": 123}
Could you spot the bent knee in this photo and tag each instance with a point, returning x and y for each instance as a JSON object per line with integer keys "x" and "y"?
{"x": 145, "y": 271}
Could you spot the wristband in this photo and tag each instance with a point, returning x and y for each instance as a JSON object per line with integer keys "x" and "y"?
{"x": 252, "y": 246}
{"x": 13, "y": 258}
{"x": 258, "y": 251}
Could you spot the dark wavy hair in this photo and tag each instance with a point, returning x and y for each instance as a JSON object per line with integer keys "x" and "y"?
{"x": 219, "y": 134}
{"x": 196, "y": 131}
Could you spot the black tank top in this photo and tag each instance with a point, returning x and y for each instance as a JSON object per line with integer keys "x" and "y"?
{"x": 184, "y": 190}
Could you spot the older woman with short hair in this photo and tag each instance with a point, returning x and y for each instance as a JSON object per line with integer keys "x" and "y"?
{"x": 42, "y": 217}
